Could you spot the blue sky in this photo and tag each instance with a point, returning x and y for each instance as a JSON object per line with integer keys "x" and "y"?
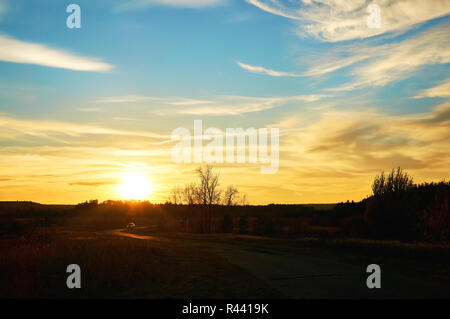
{"x": 348, "y": 98}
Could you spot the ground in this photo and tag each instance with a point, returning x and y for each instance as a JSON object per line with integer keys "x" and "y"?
{"x": 142, "y": 263}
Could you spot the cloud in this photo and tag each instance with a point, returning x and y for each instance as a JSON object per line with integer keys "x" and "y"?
{"x": 336, "y": 64}
{"x": 442, "y": 90}
{"x": 96, "y": 183}
{"x": 17, "y": 51}
{"x": 220, "y": 105}
{"x": 395, "y": 61}
{"x": 334, "y": 21}
{"x": 139, "y": 99}
{"x": 367, "y": 140}
{"x": 329, "y": 155}
{"x": 440, "y": 116}
{"x": 136, "y": 4}
{"x": 273, "y": 7}
{"x": 319, "y": 69}
{"x": 15, "y": 128}
{"x": 89, "y": 109}
{"x": 262, "y": 70}
{"x": 383, "y": 64}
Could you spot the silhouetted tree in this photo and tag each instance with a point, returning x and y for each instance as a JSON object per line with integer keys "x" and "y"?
{"x": 396, "y": 181}
{"x": 230, "y": 196}
{"x": 392, "y": 211}
{"x": 436, "y": 221}
{"x": 189, "y": 194}
{"x": 208, "y": 192}
{"x": 177, "y": 195}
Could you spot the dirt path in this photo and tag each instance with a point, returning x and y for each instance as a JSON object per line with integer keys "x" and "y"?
{"x": 124, "y": 233}
{"x": 300, "y": 276}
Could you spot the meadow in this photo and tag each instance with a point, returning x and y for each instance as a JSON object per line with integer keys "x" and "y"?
{"x": 170, "y": 255}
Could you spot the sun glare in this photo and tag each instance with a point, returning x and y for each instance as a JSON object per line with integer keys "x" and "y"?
{"x": 135, "y": 187}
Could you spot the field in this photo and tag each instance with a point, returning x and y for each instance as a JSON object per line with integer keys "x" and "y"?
{"x": 119, "y": 267}
{"x": 291, "y": 255}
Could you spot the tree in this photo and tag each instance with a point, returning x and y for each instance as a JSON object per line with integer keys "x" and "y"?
{"x": 177, "y": 195}
{"x": 208, "y": 192}
{"x": 436, "y": 224}
{"x": 244, "y": 200}
{"x": 231, "y": 196}
{"x": 190, "y": 193}
{"x": 392, "y": 213}
{"x": 396, "y": 181}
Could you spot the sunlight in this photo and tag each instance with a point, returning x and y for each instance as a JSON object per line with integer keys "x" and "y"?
{"x": 135, "y": 187}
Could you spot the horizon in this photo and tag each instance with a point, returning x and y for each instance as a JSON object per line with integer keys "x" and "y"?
{"x": 155, "y": 203}
{"x": 91, "y": 112}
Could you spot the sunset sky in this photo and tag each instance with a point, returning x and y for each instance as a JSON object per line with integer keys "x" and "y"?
{"x": 82, "y": 109}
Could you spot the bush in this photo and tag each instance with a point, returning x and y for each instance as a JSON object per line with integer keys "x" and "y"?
{"x": 436, "y": 224}
{"x": 393, "y": 215}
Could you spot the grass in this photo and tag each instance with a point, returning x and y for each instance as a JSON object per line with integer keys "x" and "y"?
{"x": 420, "y": 260}
{"x": 34, "y": 266}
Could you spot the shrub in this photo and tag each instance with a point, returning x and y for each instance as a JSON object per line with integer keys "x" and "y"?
{"x": 436, "y": 224}
{"x": 393, "y": 215}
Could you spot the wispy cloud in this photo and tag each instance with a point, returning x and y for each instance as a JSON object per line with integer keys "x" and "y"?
{"x": 337, "y": 64}
{"x": 274, "y": 7}
{"x": 164, "y": 100}
{"x": 17, "y": 51}
{"x": 367, "y": 140}
{"x": 219, "y": 105}
{"x": 442, "y": 90}
{"x": 333, "y": 21}
{"x": 89, "y": 109}
{"x": 136, "y": 4}
{"x": 15, "y": 128}
{"x": 319, "y": 69}
{"x": 396, "y": 61}
{"x": 262, "y": 70}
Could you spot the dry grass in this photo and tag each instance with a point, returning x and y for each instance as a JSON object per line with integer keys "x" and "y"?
{"x": 112, "y": 267}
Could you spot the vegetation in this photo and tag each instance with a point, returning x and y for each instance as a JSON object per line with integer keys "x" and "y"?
{"x": 115, "y": 267}
{"x": 400, "y": 220}
{"x": 398, "y": 209}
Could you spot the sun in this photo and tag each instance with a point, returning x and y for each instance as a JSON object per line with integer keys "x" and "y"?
{"x": 135, "y": 187}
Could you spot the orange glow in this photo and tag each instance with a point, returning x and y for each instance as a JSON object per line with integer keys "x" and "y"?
{"x": 135, "y": 186}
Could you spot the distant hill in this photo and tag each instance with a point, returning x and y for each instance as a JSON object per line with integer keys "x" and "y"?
{"x": 12, "y": 206}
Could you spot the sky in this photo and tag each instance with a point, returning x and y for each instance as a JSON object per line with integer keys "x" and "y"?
{"x": 83, "y": 108}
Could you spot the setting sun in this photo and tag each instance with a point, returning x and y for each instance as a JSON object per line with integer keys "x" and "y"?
{"x": 135, "y": 187}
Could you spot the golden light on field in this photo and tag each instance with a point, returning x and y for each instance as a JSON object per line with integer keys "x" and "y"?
{"x": 135, "y": 186}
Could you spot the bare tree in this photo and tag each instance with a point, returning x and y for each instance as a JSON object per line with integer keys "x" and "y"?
{"x": 231, "y": 196}
{"x": 190, "y": 193}
{"x": 177, "y": 195}
{"x": 208, "y": 192}
{"x": 244, "y": 200}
